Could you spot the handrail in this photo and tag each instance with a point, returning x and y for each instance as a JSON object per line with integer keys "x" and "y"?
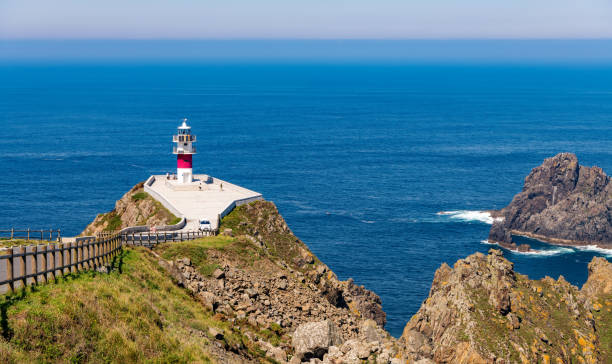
{"x": 31, "y": 234}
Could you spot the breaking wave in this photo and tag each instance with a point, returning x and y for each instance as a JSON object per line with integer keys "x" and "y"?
{"x": 545, "y": 253}
{"x": 596, "y": 249}
{"x": 470, "y": 215}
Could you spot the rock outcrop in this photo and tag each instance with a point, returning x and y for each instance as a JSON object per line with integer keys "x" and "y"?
{"x": 259, "y": 277}
{"x": 561, "y": 202}
{"x": 481, "y": 311}
{"x": 135, "y": 208}
{"x": 313, "y": 339}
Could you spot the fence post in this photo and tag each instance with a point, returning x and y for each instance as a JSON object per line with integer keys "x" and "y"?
{"x": 53, "y": 265}
{"x": 94, "y": 255}
{"x": 90, "y": 263}
{"x": 43, "y": 262}
{"x": 41, "y": 235}
{"x": 12, "y": 233}
{"x": 79, "y": 255}
{"x": 105, "y": 251}
{"x": 64, "y": 252}
{"x": 28, "y": 234}
{"x": 35, "y": 263}
{"x": 22, "y": 268}
{"x": 9, "y": 270}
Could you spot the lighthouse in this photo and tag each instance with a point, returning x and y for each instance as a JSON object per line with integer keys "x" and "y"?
{"x": 184, "y": 151}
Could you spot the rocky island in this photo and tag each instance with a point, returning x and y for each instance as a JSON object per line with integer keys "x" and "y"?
{"x": 257, "y": 294}
{"x": 562, "y": 203}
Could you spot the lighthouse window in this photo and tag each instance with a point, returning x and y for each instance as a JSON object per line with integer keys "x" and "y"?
{"x": 184, "y": 143}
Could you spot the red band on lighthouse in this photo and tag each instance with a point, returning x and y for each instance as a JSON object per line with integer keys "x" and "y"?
{"x": 183, "y": 161}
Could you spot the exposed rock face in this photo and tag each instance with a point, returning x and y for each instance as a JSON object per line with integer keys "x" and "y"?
{"x": 266, "y": 280}
{"x": 481, "y": 311}
{"x": 561, "y": 202}
{"x": 600, "y": 278}
{"x": 135, "y": 208}
{"x": 313, "y": 339}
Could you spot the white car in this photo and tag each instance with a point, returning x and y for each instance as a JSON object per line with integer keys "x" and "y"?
{"x": 205, "y": 225}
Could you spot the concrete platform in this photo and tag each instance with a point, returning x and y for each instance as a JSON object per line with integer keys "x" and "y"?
{"x": 207, "y": 198}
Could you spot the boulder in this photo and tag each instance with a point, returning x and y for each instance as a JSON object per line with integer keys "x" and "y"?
{"x": 209, "y": 300}
{"x": 218, "y": 273}
{"x": 313, "y": 339}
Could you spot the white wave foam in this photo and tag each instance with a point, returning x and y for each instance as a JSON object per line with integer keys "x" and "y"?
{"x": 470, "y": 215}
{"x": 596, "y": 249}
{"x": 545, "y": 253}
{"x": 486, "y": 241}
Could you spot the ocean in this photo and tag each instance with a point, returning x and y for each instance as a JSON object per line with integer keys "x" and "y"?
{"x": 359, "y": 158}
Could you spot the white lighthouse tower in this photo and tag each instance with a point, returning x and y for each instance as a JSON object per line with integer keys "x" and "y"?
{"x": 184, "y": 151}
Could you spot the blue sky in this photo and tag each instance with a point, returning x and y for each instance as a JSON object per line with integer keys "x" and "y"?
{"x": 307, "y": 19}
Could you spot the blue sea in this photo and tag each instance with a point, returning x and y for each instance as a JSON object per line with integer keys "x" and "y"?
{"x": 359, "y": 158}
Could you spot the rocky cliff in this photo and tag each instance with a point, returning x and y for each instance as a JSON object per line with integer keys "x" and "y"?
{"x": 135, "y": 208}
{"x": 561, "y": 202}
{"x": 266, "y": 283}
{"x": 481, "y": 311}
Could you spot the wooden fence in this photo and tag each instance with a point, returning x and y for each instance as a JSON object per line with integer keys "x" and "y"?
{"x": 24, "y": 265}
{"x": 29, "y": 234}
{"x": 150, "y": 239}
{"x": 21, "y": 266}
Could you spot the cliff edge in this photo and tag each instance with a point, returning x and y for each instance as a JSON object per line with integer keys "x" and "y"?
{"x": 481, "y": 311}
{"x": 561, "y": 202}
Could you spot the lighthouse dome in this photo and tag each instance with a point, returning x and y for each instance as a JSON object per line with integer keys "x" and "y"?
{"x": 184, "y": 125}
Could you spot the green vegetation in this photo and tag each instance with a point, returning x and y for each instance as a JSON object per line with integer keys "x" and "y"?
{"x": 175, "y": 221}
{"x": 603, "y": 321}
{"x": 5, "y": 243}
{"x": 198, "y": 251}
{"x": 261, "y": 218}
{"x": 114, "y": 222}
{"x": 134, "y": 314}
{"x": 138, "y": 196}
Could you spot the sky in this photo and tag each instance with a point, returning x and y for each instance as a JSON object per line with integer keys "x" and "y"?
{"x": 306, "y": 19}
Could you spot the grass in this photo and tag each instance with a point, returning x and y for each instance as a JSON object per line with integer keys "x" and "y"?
{"x": 263, "y": 219}
{"x": 134, "y": 314}
{"x": 139, "y": 196}
{"x": 175, "y": 221}
{"x": 198, "y": 251}
{"x": 5, "y": 243}
{"x": 114, "y": 222}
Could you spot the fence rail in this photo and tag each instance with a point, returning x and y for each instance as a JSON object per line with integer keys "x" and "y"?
{"x": 21, "y": 266}
{"x": 30, "y": 234}
{"x": 150, "y": 239}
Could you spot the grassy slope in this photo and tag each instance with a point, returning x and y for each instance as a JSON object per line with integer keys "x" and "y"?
{"x": 134, "y": 314}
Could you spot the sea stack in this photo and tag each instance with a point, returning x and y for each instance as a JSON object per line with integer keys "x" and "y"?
{"x": 562, "y": 203}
